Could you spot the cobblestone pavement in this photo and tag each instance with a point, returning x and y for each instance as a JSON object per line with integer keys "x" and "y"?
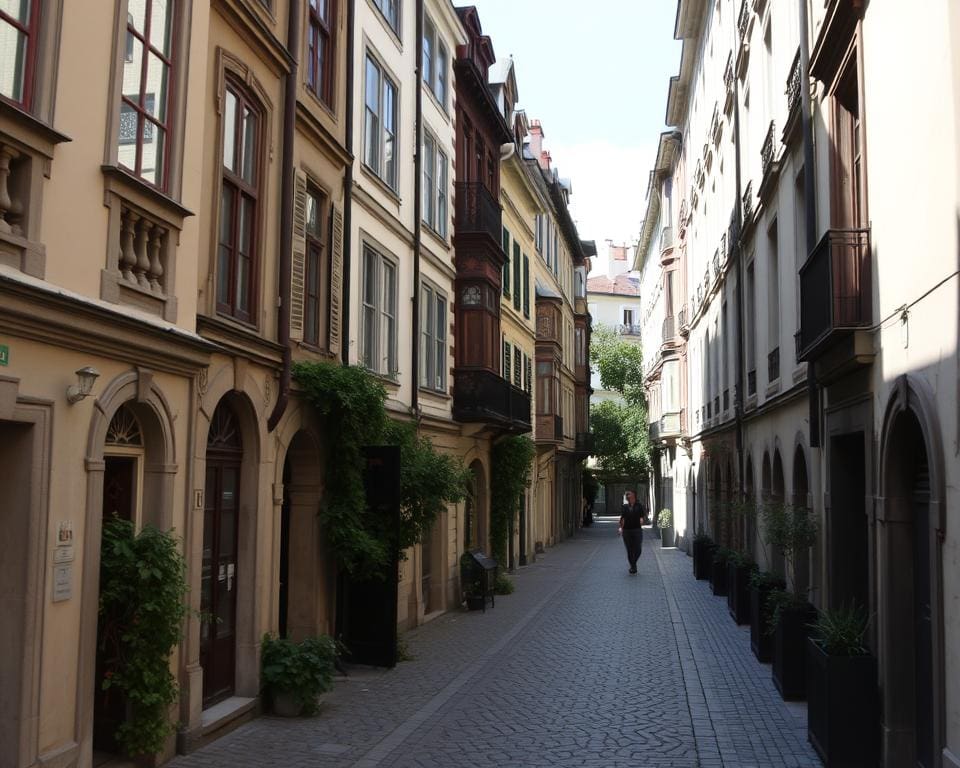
{"x": 583, "y": 665}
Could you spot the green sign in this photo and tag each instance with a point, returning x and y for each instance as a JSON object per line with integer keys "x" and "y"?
{"x": 4, "y": 354}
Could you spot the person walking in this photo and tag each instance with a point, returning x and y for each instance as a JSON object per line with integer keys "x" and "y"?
{"x": 632, "y": 519}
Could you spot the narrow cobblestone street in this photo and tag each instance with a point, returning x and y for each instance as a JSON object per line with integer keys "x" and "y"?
{"x": 583, "y": 665}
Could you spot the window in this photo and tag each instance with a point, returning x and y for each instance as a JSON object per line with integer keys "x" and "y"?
{"x": 391, "y": 12}
{"x": 320, "y": 50}
{"x": 434, "y": 186}
{"x": 526, "y": 285}
{"x": 314, "y": 275}
{"x": 19, "y": 29}
{"x": 507, "y": 360}
{"x": 751, "y": 318}
{"x": 239, "y": 198}
{"x": 434, "y": 62}
{"x": 773, "y": 291}
{"x": 147, "y": 74}
{"x": 516, "y": 275}
{"x": 506, "y": 263}
{"x": 380, "y": 126}
{"x": 379, "y": 313}
{"x": 538, "y": 224}
{"x": 433, "y": 339}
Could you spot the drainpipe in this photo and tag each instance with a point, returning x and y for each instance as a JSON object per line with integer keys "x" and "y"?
{"x": 347, "y": 194}
{"x": 738, "y": 256}
{"x": 417, "y": 213}
{"x": 809, "y": 192}
{"x": 286, "y": 211}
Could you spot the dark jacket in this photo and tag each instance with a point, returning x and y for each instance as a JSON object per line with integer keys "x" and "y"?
{"x": 633, "y": 515}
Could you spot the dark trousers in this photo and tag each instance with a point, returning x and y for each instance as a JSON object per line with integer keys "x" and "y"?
{"x": 633, "y": 541}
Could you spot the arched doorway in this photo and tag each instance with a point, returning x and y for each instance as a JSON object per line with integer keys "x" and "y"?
{"x": 716, "y": 497}
{"x": 219, "y": 574}
{"x": 910, "y": 595}
{"x": 750, "y": 521}
{"x": 475, "y": 514}
{"x": 777, "y": 497}
{"x": 801, "y": 505}
{"x": 304, "y": 605}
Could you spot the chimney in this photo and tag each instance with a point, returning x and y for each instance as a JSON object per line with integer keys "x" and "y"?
{"x": 536, "y": 138}
{"x": 545, "y": 160}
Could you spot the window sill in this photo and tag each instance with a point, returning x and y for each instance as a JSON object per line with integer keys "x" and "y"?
{"x": 799, "y": 373}
{"x": 435, "y": 394}
{"x": 145, "y": 196}
{"x": 772, "y": 389}
{"x": 383, "y": 186}
{"x": 20, "y": 253}
{"x": 394, "y": 34}
{"x": 118, "y": 290}
{"x": 435, "y": 236}
{"x": 319, "y": 102}
{"x": 29, "y": 130}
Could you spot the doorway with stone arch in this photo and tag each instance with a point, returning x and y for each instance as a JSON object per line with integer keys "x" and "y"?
{"x": 910, "y": 530}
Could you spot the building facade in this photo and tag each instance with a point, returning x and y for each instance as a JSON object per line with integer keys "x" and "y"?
{"x": 821, "y": 366}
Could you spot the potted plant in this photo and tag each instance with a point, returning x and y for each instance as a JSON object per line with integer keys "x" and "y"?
{"x": 718, "y": 574}
{"x": 294, "y": 675}
{"x": 842, "y": 700}
{"x": 762, "y": 583}
{"x": 702, "y": 555}
{"x": 739, "y": 568}
{"x": 665, "y": 521}
{"x": 790, "y": 530}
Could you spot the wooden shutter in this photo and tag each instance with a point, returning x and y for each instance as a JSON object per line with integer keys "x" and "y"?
{"x": 298, "y": 261}
{"x": 336, "y": 278}
{"x": 516, "y": 275}
{"x": 526, "y": 285}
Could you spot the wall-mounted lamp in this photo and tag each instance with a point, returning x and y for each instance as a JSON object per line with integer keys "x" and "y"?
{"x": 85, "y": 378}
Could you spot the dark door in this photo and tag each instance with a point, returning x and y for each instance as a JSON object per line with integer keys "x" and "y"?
{"x": 922, "y": 614}
{"x": 218, "y": 582}
{"x": 284, "y": 592}
{"x": 109, "y": 708}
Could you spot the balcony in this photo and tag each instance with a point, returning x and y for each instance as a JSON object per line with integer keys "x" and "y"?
{"x": 773, "y": 365}
{"x": 669, "y": 329}
{"x": 629, "y": 330}
{"x": 477, "y": 211}
{"x": 585, "y": 443}
{"x": 716, "y": 264}
{"x": 481, "y": 396}
{"x": 748, "y": 203}
{"x": 654, "y": 431}
{"x": 549, "y": 428}
{"x": 835, "y": 287}
{"x": 769, "y": 150}
{"x": 794, "y": 86}
{"x": 670, "y": 425}
{"x": 666, "y": 239}
{"x": 743, "y": 19}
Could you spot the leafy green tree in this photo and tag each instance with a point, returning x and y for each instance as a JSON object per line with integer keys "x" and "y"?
{"x": 620, "y": 429}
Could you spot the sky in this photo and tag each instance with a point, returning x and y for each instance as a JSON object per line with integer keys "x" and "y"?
{"x": 597, "y": 80}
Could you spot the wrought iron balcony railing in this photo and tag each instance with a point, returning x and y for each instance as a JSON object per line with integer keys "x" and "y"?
{"x": 477, "y": 212}
{"x": 682, "y": 323}
{"x": 630, "y": 330}
{"x": 794, "y": 85}
{"x": 748, "y": 201}
{"x": 743, "y": 19}
{"x": 768, "y": 150}
{"x": 670, "y": 425}
{"x": 669, "y": 328}
{"x": 483, "y": 396}
{"x": 835, "y": 287}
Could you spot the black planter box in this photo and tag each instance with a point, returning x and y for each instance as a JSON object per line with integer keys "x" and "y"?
{"x": 790, "y": 652}
{"x": 718, "y": 578}
{"x": 702, "y": 559}
{"x": 843, "y": 722}
{"x": 761, "y": 643}
{"x": 666, "y": 537}
{"x": 738, "y": 592}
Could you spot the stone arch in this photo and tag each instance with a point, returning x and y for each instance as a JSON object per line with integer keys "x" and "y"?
{"x": 143, "y": 396}
{"x": 750, "y": 497}
{"x": 911, "y": 527}
{"x": 777, "y": 496}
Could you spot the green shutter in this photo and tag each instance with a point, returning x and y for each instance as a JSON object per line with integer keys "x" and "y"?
{"x": 516, "y": 275}
{"x": 526, "y": 285}
{"x": 506, "y": 264}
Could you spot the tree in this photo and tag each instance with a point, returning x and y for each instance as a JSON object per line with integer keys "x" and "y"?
{"x": 620, "y": 429}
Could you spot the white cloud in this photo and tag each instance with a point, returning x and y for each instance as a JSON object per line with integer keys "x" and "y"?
{"x": 609, "y": 186}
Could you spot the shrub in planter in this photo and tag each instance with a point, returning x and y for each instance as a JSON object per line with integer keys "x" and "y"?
{"x": 842, "y": 699}
{"x": 665, "y": 521}
{"x": 762, "y": 583}
{"x": 739, "y": 568}
{"x": 790, "y": 617}
{"x": 718, "y": 574}
{"x": 294, "y": 675}
{"x": 701, "y": 561}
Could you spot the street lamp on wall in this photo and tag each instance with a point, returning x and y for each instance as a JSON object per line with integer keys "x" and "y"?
{"x": 86, "y": 376}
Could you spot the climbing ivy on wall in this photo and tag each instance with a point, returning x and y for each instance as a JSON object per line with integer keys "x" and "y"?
{"x": 512, "y": 460}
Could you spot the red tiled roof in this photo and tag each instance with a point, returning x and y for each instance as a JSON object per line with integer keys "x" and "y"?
{"x": 621, "y": 285}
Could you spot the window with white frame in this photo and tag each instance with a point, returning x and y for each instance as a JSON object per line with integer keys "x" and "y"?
{"x": 433, "y": 338}
{"x": 380, "y": 123}
{"x": 434, "y": 185}
{"x": 435, "y": 59}
{"x": 378, "y": 331}
{"x": 391, "y": 12}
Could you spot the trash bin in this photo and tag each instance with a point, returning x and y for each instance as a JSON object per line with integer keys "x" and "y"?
{"x": 478, "y": 574}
